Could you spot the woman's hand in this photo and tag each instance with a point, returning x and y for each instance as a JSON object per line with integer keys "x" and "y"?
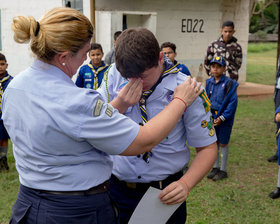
{"x": 188, "y": 90}
{"x": 129, "y": 95}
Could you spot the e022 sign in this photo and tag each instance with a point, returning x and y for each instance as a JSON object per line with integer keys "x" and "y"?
{"x": 192, "y": 26}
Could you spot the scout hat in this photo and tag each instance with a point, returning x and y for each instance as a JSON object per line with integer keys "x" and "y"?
{"x": 219, "y": 60}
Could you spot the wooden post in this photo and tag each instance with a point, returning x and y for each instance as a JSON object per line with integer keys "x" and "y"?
{"x": 278, "y": 49}
{"x": 92, "y": 18}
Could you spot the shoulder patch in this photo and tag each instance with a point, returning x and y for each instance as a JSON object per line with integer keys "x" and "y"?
{"x": 206, "y": 101}
{"x": 204, "y": 123}
{"x": 98, "y": 107}
{"x": 109, "y": 111}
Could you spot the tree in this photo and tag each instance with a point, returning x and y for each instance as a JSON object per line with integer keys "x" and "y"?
{"x": 264, "y": 16}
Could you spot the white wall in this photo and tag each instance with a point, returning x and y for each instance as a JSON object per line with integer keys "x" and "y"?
{"x": 19, "y": 56}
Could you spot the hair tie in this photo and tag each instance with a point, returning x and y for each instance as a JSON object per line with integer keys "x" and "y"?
{"x": 37, "y": 29}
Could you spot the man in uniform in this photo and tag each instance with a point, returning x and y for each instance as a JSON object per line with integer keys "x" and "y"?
{"x": 138, "y": 55}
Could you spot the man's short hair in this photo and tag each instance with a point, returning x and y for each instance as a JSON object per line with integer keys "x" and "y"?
{"x": 137, "y": 50}
{"x": 117, "y": 34}
{"x": 168, "y": 44}
{"x": 2, "y": 57}
{"x": 96, "y": 46}
{"x": 228, "y": 23}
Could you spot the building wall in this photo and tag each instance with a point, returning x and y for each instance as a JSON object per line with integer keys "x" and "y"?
{"x": 190, "y": 24}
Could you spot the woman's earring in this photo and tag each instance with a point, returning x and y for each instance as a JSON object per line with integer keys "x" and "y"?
{"x": 63, "y": 64}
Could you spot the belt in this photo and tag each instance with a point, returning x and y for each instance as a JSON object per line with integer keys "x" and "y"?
{"x": 144, "y": 186}
{"x": 101, "y": 188}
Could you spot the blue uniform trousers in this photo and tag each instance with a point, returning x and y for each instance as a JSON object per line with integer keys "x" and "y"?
{"x": 127, "y": 198}
{"x": 3, "y": 132}
{"x": 34, "y": 207}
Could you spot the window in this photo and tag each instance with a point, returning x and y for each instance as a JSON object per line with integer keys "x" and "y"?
{"x": 74, "y": 4}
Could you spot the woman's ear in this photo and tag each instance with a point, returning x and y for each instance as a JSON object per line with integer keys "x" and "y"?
{"x": 62, "y": 58}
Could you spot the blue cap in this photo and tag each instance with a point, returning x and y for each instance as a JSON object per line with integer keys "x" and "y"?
{"x": 220, "y": 60}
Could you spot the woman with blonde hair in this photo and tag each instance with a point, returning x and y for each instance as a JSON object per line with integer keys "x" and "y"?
{"x": 62, "y": 135}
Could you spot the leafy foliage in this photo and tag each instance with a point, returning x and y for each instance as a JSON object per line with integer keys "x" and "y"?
{"x": 265, "y": 19}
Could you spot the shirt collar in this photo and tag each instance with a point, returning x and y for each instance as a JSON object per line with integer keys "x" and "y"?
{"x": 222, "y": 79}
{"x": 233, "y": 39}
{"x": 102, "y": 65}
{"x": 51, "y": 70}
{"x": 169, "y": 82}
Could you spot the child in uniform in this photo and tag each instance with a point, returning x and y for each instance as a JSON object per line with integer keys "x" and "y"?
{"x": 91, "y": 75}
{"x": 5, "y": 79}
{"x": 221, "y": 91}
{"x": 169, "y": 49}
{"x": 276, "y": 193}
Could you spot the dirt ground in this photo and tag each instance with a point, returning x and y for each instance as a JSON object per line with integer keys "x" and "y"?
{"x": 254, "y": 90}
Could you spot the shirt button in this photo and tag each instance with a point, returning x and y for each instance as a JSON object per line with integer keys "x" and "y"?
{"x": 139, "y": 177}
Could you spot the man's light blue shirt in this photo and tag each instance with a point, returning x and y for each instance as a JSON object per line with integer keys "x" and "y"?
{"x": 172, "y": 154}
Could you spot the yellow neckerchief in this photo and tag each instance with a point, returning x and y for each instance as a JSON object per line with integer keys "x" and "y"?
{"x": 95, "y": 73}
{"x": 1, "y": 87}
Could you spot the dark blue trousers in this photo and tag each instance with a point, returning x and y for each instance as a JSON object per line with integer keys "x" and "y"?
{"x": 127, "y": 200}
{"x": 34, "y": 207}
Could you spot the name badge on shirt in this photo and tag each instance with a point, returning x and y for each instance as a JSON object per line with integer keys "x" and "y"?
{"x": 109, "y": 111}
{"x": 98, "y": 107}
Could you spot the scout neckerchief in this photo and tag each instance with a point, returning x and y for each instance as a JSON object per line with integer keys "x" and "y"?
{"x": 95, "y": 73}
{"x": 169, "y": 69}
{"x": 176, "y": 63}
{"x": 1, "y": 87}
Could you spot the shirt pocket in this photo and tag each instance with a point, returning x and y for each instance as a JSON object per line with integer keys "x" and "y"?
{"x": 71, "y": 216}
{"x": 152, "y": 113}
{"x": 20, "y": 211}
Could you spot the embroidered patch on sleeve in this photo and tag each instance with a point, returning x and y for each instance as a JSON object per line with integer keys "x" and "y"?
{"x": 98, "y": 107}
{"x": 210, "y": 124}
{"x": 206, "y": 101}
{"x": 109, "y": 111}
{"x": 204, "y": 123}
{"x": 211, "y": 131}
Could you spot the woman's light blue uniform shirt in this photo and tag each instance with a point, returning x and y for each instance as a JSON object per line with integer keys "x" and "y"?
{"x": 61, "y": 136}
{"x": 172, "y": 154}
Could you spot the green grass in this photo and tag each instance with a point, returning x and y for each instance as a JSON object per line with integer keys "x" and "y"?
{"x": 261, "y": 63}
{"x": 243, "y": 197}
{"x": 261, "y": 47}
{"x": 9, "y": 185}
